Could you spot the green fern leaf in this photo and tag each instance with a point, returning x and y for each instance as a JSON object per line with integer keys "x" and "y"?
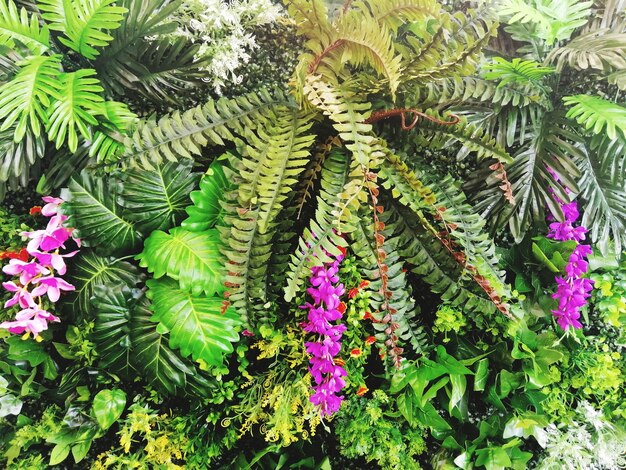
{"x": 108, "y": 137}
{"x": 25, "y": 99}
{"x": 84, "y": 23}
{"x": 75, "y": 109}
{"x": 321, "y": 237}
{"x": 192, "y": 258}
{"x": 395, "y": 13}
{"x": 183, "y": 135}
{"x": 17, "y": 158}
{"x": 597, "y": 114}
{"x": 207, "y": 209}
{"x": 515, "y": 71}
{"x": 17, "y": 27}
{"x": 196, "y": 324}
{"x": 282, "y": 160}
{"x": 91, "y": 204}
{"x": 156, "y": 200}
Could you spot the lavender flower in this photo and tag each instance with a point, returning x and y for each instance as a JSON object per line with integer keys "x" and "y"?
{"x": 573, "y": 290}
{"x": 326, "y": 292}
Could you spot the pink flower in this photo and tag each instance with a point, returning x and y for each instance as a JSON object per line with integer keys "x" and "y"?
{"x": 26, "y": 271}
{"x": 22, "y": 296}
{"x": 52, "y": 286}
{"x": 53, "y": 260}
{"x": 52, "y": 207}
{"x": 30, "y": 320}
{"x": 53, "y": 237}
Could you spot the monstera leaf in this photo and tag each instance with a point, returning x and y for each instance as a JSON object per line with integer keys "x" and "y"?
{"x": 156, "y": 200}
{"x": 193, "y": 259}
{"x": 129, "y": 343}
{"x": 196, "y": 324}
{"x": 94, "y": 213}
{"x": 206, "y": 210}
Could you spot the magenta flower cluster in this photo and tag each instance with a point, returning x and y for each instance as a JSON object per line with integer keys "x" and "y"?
{"x": 37, "y": 276}
{"x": 573, "y": 290}
{"x": 326, "y": 292}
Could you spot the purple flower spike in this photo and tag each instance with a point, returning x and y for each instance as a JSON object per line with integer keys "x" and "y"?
{"x": 325, "y": 309}
{"x": 572, "y": 291}
{"x": 52, "y": 286}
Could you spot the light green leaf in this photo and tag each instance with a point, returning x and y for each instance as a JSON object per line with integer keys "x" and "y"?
{"x": 192, "y": 258}
{"x": 108, "y": 406}
{"x": 196, "y": 324}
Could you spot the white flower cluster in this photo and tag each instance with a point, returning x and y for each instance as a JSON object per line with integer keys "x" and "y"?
{"x": 590, "y": 443}
{"x": 222, "y": 28}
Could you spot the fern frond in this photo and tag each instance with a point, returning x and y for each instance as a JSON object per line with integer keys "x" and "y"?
{"x": 321, "y": 237}
{"x": 25, "y": 99}
{"x": 183, "y": 135}
{"x": 279, "y": 156}
{"x": 597, "y": 50}
{"x": 108, "y": 136}
{"x": 515, "y": 71}
{"x": 17, "y": 158}
{"x": 429, "y": 259}
{"x": 596, "y": 114}
{"x": 83, "y": 23}
{"x": 475, "y": 139}
{"x": 397, "y": 301}
{"x": 18, "y": 27}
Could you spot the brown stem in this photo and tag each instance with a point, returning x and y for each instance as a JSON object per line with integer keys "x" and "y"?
{"x": 402, "y": 112}
{"x": 318, "y": 58}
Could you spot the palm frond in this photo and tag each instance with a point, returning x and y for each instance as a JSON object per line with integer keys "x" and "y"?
{"x": 597, "y": 114}
{"x": 18, "y": 27}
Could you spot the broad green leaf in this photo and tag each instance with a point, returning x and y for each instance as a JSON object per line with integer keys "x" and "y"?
{"x": 108, "y": 406}
{"x": 156, "y": 199}
{"x": 482, "y": 373}
{"x": 196, "y": 324}
{"x": 89, "y": 271}
{"x": 93, "y": 211}
{"x": 159, "y": 365}
{"x": 192, "y": 258}
{"x": 206, "y": 209}
{"x": 10, "y": 405}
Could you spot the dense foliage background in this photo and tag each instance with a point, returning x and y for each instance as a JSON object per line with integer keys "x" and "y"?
{"x": 371, "y": 234}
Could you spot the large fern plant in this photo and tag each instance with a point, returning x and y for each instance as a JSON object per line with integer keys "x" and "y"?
{"x": 305, "y": 174}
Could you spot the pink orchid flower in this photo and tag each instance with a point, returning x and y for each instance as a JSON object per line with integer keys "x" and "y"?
{"x": 53, "y": 237}
{"x": 22, "y": 296}
{"x": 52, "y": 286}
{"x": 53, "y": 260}
{"x": 30, "y": 320}
{"x": 52, "y": 207}
{"x": 26, "y": 271}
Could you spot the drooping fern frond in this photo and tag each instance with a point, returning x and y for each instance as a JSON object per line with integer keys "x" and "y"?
{"x": 18, "y": 27}
{"x": 311, "y": 17}
{"x": 182, "y": 135}
{"x": 321, "y": 237}
{"x": 430, "y": 260}
{"x": 74, "y": 111}
{"x": 25, "y": 99}
{"x": 84, "y": 24}
{"x": 108, "y": 137}
{"x": 17, "y": 158}
{"x": 597, "y": 114}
